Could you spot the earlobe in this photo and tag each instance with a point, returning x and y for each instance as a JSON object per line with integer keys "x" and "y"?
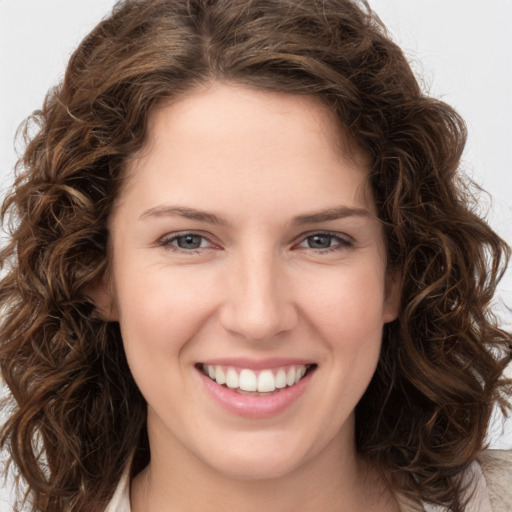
{"x": 100, "y": 292}
{"x": 392, "y": 296}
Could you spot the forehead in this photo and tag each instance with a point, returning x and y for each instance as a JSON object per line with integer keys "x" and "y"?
{"x": 218, "y": 103}
{"x": 254, "y": 142}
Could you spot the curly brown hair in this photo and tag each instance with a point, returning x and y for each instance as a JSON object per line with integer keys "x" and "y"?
{"x": 77, "y": 415}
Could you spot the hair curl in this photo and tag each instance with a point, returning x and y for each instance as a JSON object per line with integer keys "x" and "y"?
{"x": 77, "y": 414}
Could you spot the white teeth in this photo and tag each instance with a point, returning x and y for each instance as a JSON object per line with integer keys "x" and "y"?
{"x": 265, "y": 381}
{"x": 220, "y": 377}
{"x": 281, "y": 379}
{"x": 232, "y": 380}
{"x": 248, "y": 380}
{"x": 290, "y": 377}
{"x": 301, "y": 371}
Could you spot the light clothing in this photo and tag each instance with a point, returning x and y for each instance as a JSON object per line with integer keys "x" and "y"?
{"x": 497, "y": 468}
{"x": 492, "y": 491}
{"x": 121, "y": 500}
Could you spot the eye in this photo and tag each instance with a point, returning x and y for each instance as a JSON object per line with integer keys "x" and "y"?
{"x": 325, "y": 242}
{"x": 186, "y": 242}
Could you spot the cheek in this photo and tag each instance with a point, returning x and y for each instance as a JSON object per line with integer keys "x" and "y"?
{"x": 159, "y": 314}
{"x": 160, "y": 310}
{"x": 347, "y": 313}
{"x": 348, "y": 305}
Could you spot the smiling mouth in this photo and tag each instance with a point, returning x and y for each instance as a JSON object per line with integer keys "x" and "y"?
{"x": 256, "y": 383}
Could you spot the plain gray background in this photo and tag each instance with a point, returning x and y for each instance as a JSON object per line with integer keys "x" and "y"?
{"x": 460, "y": 49}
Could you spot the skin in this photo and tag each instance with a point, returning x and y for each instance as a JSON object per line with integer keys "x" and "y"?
{"x": 257, "y": 287}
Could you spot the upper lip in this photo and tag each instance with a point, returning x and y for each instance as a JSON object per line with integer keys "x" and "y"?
{"x": 256, "y": 364}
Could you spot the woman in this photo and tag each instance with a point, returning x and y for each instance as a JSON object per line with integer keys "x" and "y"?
{"x": 244, "y": 270}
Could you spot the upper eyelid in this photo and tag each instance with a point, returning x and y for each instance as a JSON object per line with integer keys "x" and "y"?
{"x": 170, "y": 237}
{"x": 342, "y": 242}
{"x": 177, "y": 234}
{"x": 334, "y": 234}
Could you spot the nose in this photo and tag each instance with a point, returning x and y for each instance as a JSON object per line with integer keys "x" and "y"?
{"x": 258, "y": 304}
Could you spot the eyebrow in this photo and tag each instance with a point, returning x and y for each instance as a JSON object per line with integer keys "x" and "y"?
{"x": 330, "y": 214}
{"x": 187, "y": 213}
{"x": 211, "y": 218}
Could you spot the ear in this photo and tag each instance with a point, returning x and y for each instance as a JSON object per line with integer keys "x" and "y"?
{"x": 100, "y": 292}
{"x": 392, "y": 297}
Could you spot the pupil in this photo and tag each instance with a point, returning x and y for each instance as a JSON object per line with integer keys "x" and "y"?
{"x": 189, "y": 242}
{"x": 320, "y": 241}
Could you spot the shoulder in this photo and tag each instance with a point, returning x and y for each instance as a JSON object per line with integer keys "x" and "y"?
{"x": 497, "y": 468}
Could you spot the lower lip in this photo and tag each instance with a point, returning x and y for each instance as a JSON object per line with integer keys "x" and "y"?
{"x": 255, "y": 406}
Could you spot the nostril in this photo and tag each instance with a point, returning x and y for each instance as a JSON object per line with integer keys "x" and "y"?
{"x": 258, "y": 324}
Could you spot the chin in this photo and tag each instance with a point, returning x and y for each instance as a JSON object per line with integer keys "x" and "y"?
{"x": 257, "y": 460}
{"x": 243, "y": 468}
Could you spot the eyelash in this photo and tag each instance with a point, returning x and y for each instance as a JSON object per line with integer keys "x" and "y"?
{"x": 341, "y": 242}
{"x": 167, "y": 242}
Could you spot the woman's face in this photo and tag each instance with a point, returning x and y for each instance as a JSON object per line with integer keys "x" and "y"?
{"x": 245, "y": 249}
